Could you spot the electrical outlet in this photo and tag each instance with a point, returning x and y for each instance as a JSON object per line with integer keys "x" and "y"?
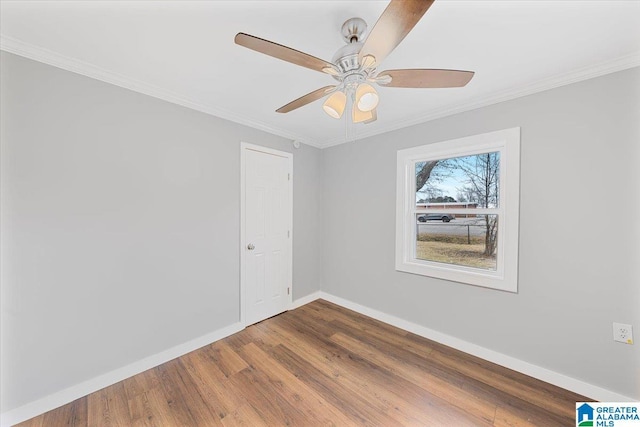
{"x": 623, "y": 333}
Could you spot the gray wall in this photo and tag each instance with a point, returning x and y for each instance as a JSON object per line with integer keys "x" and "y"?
{"x": 579, "y": 232}
{"x": 120, "y": 229}
{"x": 120, "y": 226}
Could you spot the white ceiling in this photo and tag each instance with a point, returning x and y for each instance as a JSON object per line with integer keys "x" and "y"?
{"x": 184, "y": 52}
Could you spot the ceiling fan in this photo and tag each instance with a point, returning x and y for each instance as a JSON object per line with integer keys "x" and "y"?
{"x": 354, "y": 66}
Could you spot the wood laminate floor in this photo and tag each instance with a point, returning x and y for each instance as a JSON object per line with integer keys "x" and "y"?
{"x": 322, "y": 365}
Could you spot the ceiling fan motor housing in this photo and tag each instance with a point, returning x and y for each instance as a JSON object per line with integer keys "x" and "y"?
{"x": 353, "y": 30}
{"x": 346, "y": 58}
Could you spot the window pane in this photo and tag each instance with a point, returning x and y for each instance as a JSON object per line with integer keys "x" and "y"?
{"x": 469, "y": 242}
{"x": 459, "y": 182}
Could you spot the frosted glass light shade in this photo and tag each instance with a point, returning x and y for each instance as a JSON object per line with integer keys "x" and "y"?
{"x": 334, "y": 105}
{"x": 359, "y": 116}
{"x": 366, "y": 97}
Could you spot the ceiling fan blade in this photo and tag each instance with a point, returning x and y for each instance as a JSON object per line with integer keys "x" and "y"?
{"x": 397, "y": 20}
{"x": 282, "y": 52}
{"x": 306, "y": 99}
{"x": 424, "y": 78}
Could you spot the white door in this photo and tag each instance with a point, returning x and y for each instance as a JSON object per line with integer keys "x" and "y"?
{"x": 266, "y": 215}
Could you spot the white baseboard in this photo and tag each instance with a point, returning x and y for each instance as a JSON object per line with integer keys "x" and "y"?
{"x": 543, "y": 374}
{"x": 77, "y": 391}
{"x": 72, "y": 393}
{"x": 305, "y": 300}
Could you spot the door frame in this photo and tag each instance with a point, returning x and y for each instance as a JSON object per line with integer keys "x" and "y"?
{"x": 244, "y": 147}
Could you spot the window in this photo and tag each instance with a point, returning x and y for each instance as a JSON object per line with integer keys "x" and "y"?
{"x": 457, "y": 210}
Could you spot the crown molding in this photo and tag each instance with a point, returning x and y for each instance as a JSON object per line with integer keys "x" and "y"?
{"x": 47, "y": 56}
{"x": 18, "y": 47}
{"x": 585, "y": 73}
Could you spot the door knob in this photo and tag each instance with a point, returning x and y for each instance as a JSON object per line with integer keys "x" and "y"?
{"x": 250, "y": 246}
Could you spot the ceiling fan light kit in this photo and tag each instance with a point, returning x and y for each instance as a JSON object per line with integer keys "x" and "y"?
{"x": 335, "y": 104}
{"x": 354, "y": 65}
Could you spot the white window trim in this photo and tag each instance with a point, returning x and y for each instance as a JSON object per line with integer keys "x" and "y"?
{"x": 507, "y": 142}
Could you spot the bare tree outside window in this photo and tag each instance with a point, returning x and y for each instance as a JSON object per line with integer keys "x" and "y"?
{"x": 453, "y": 183}
{"x": 482, "y": 187}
